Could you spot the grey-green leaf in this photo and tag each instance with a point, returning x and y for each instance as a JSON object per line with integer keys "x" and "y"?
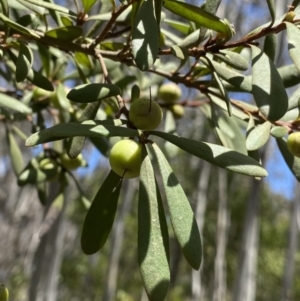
{"x": 145, "y": 36}
{"x": 272, "y": 10}
{"x": 182, "y": 217}
{"x": 267, "y": 86}
{"x": 279, "y": 131}
{"x": 88, "y": 4}
{"x": 106, "y": 128}
{"x": 93, "y": 92}
{"x": 153, "y": 238}
{"x": 217, "y": 155}
{"x": 293, "y": 36}
{"x": 100, "y": 217}
{"x": 258, "y": 136}
{"x": 233, "y": 59}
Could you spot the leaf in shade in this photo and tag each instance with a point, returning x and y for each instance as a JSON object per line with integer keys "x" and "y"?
{"x": 233, "y": 77}
{"x": 100, "y": 217}
{"x": 102, "y": 144}
{"x": 270, "y": 46}
{"x": 13, "y": 104}
{"x": 106, "y": 128}
{"x": 182, "y": 217}
{"x": 145, "y": 36}
{"x": 37, "y": 9}
{"x": 293, "y": 37}
{"x": 67, "y": 33}
{"x": 76, "y": 144}
{"x": 19, "y": 28}
{"x": 87, "y": 5}
{"x": 267, "y": 86}
{"x": 292, "y": 162}
{"x": 180, "y": 26}
{"x": 24, "y": 62}
{"x": 15, "y": 153}
{"x": 211, "y": 6}
{"x": 272, "y": 10}
{"x": 220, "y": 85}
{"x": 216, "y": 154}
{"x": 258, "y": 136}
{"x": 93, "y": 92}
{"x": 153, "y": 238}
{"x": 199, "y": 16}
{"x": 233, "y": 59}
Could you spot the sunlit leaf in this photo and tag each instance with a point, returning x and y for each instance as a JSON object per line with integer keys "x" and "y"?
{"x": 153, "y": 238}
{"x": 293, "y": 36}
{"x": 258, "y": 136}
{"x": 279, "y": 131}
{"x": 217, "y": 155}
{"x": 100, "y": 217}
{"x": 106, "y": 128}
{"x": 13, "y": 104}
{"x": 271, "y": 5}
{"x": 88, "y": 4}
{"x": 267, "y": 86}
{"x": 198, "y": 15}
{"x": 233, "y": 59}
{"x": 181, "y": 214}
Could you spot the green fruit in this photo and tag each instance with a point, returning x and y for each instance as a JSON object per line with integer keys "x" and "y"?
{"x": 40, "y": 94}
{"x": 70, "y": 163}
{"x": 3, "y": 293}
{"x": 293, "y": 143}
{"x": 145, "y": 114}
{"x": 177, "y": 110}
{"x": 169, "y": 92}
{"x": 126, "y": 158}
{"x": 50, "y": 168}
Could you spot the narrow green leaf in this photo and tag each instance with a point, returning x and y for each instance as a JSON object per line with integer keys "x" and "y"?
{"x": 87, "y": 5}
{"x": 135, "y": 92}
{"x": 180, "y": 26}
{"x": 182, "y": 217}
{"x": 13, "y": 104}
{"x": 195, "y": 38}
{"x": 83, "y": 59}
{"x": 217, "y": 155}
{"x": 67, "y": 33}
{"x": 199, "y": 16}
{"x": 294, "y": 99}
{"x": 102, "y": 144}
{"x": 272, "y": 10}
{"x": 37, "y": 9}
{"x": 267, "y": 86}
{"x": 258, "y": 136}
{"x": 76, "y": 144}
{"x": 211, "y": 6}
{"x": 170, "y": 127}
{"x": 93, "y": 92}
{"x": 15, "y": 153}
{"x": 52, "y": 6}
{"x": 100, "y": 217}
{"x": 232, "y": 59}
{"x": 5, "y": 8}
{"x": 270, "y": 46}
{"x": 153, "y": 238}
{"x": 220, "y": 85}
{"x": 293, "y": 36}
{"x": 145, "y": 36}
{"x": 292, "y": 162}
{"x": 41, "y": 188}
{"x": 24, "y": 62}
{"x": 106, "y": 128}
{"x": 19, "y": 28}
